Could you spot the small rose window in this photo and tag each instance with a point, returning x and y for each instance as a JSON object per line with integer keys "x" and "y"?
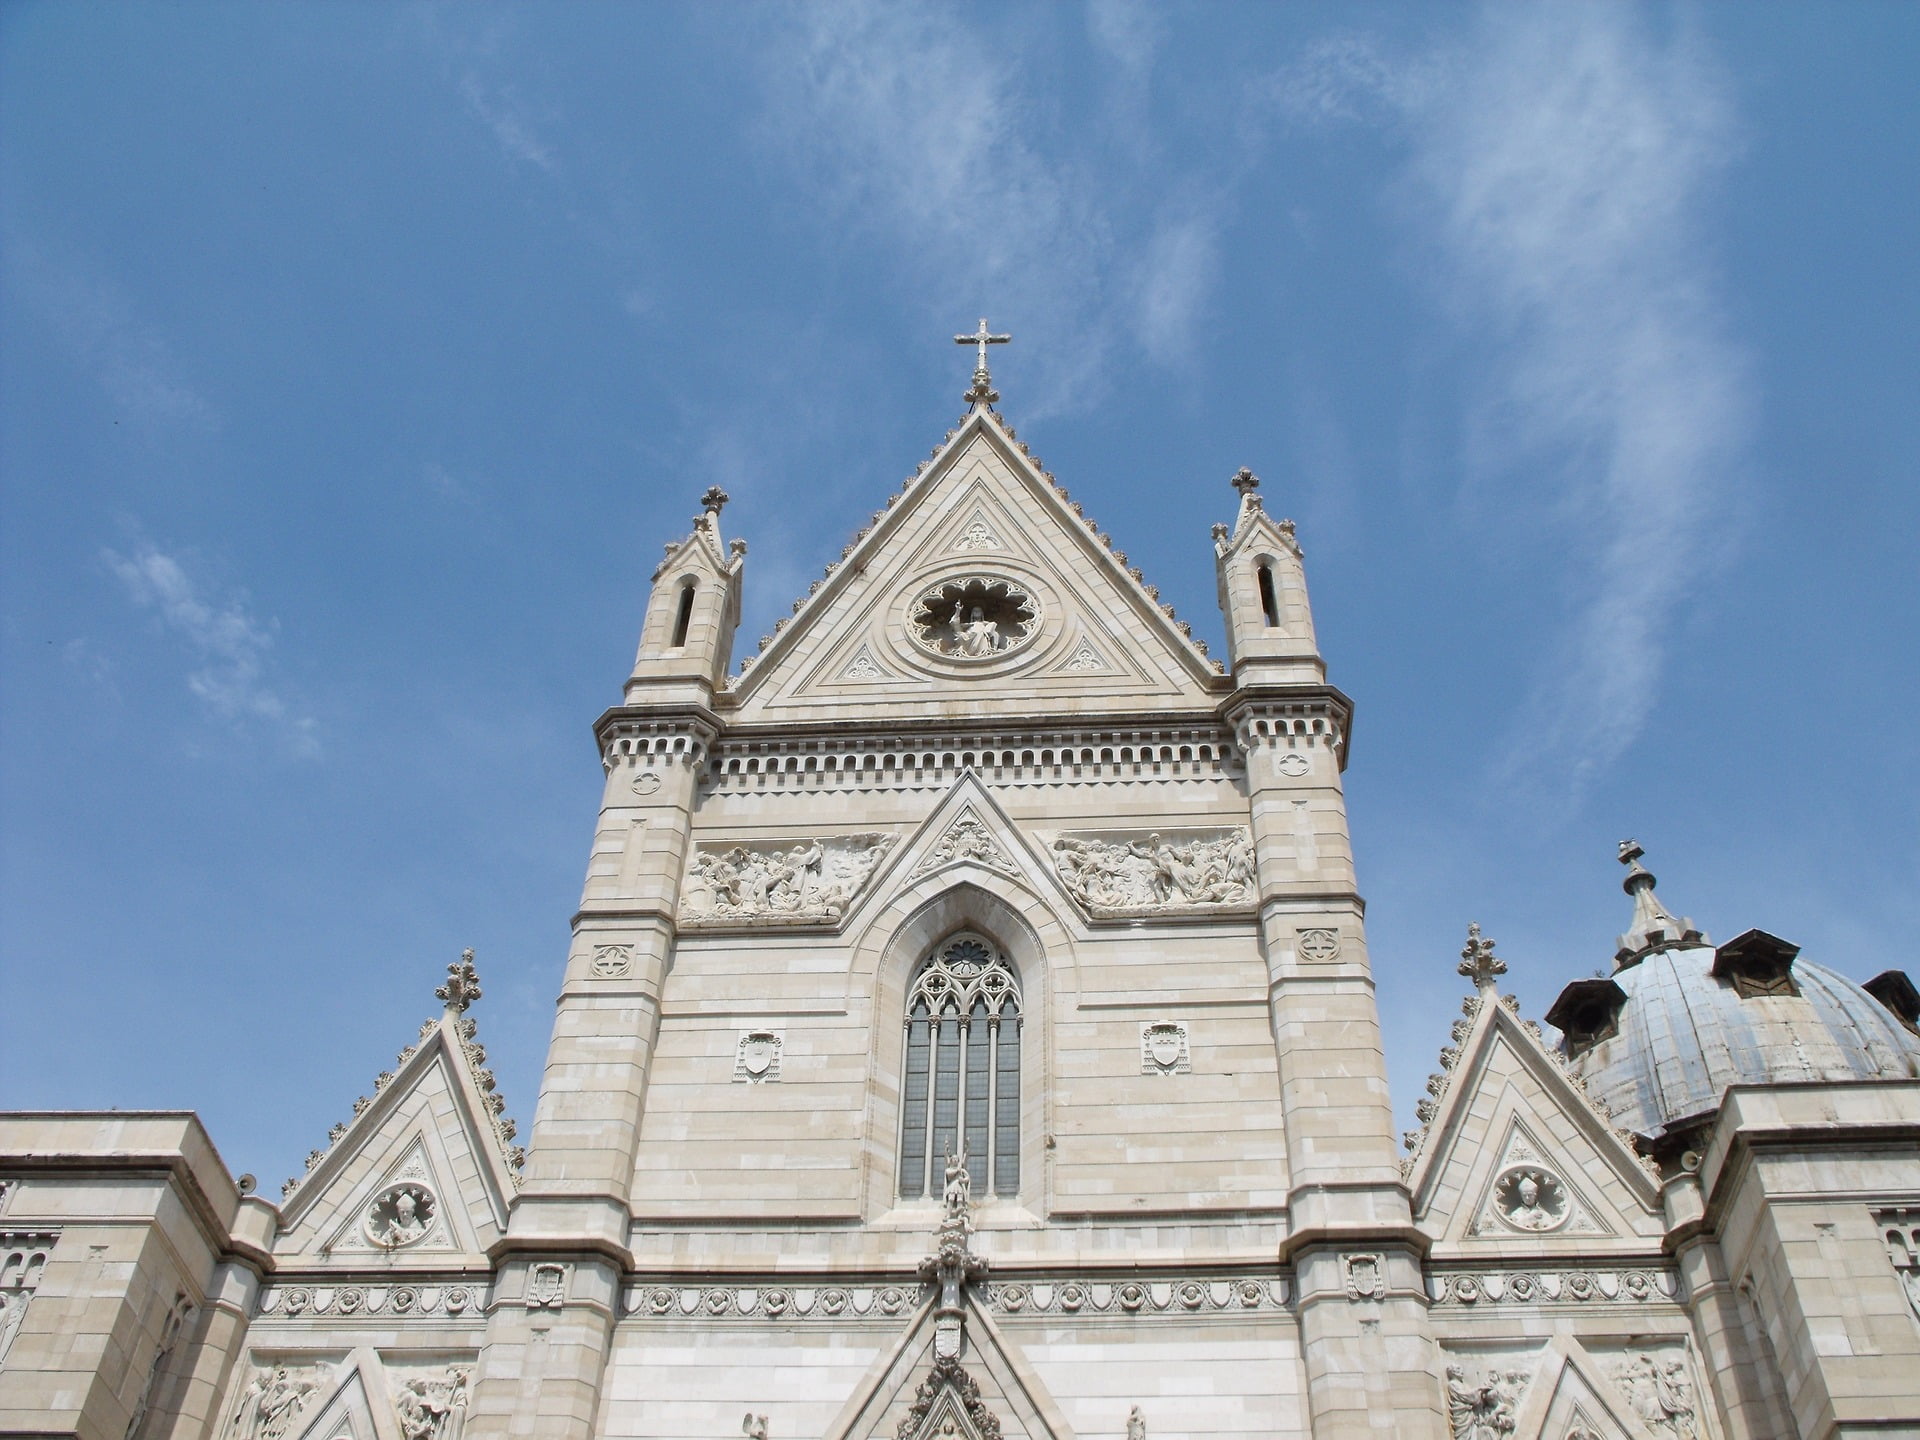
{"x": 973, "y": 617}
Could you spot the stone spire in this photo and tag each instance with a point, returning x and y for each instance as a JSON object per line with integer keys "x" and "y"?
{"x": 1654, "y": 926}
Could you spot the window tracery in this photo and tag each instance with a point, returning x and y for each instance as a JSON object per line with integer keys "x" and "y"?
{"x": 962, "y": 1085}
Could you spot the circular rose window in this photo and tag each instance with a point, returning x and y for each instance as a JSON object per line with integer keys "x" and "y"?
{"x": 973, "y": 617}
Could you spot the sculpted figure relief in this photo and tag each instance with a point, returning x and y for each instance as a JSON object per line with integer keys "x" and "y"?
{"x": 1483, "y": 1410}
{"x": 270, "y": 1404}
{"x": 431, "y": 1409}
{"x": 1156, "y": 873}
{"x": 812, "y": 880}
{"x": 1661, "y": 1395}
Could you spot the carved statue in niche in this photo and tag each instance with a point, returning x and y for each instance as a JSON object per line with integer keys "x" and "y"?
{"x": 1155, "y": 873}
{"x": 1661, "y": 1395}
{"x": 432, "y": 1408}
{"x": 1136, "y": 1424}
{"x": 400, "y": 1215}
{"x": 754, "y": 1427}
{"x": 812, "y": 880}
{"x": 1483, "y": 1410}
{"x": 270, "y": 1404}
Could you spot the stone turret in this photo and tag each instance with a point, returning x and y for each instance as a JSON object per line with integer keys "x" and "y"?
{"x": 686, "y": 641}
{"x": 1263, "y": 595}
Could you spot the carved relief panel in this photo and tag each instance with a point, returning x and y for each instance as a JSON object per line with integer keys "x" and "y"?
{"x": 778, "y": 883}
{"x": 1116, "y": 873}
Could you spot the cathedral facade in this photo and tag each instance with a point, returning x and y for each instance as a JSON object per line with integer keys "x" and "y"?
{"x": 968, "y": 1032}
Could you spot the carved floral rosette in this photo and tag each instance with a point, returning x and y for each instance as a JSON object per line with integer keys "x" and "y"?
{"x": 1123, "y": 873}
{"x": 760, "y": 883}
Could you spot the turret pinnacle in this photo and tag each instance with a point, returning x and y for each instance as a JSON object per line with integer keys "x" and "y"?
{"x": 1654, "y": 926}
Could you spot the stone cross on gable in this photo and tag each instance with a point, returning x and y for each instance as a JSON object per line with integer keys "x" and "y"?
{"x": 982, "y": 391}
{"x": 463, "y": 985}
{"x": 1478, "y": 962}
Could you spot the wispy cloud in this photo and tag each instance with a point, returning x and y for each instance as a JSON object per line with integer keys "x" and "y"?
{"x": 1561, "y": 165}
{"x": 500, "y": 110}
{"x": 992, "y": 201}
{"x": 228, "y": 643}
{"x": 100, "y": 328}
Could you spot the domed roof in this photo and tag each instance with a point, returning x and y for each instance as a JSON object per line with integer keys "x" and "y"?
{"x": 1680, "y": 1020}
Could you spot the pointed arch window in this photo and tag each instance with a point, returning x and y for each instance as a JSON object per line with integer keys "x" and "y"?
{"x": 962, "y": 1083}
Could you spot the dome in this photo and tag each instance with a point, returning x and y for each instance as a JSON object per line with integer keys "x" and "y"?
{"x": 1680, "y": 1020}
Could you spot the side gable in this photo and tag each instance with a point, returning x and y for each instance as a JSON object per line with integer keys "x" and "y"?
{"x": 429, "y": 1131}
{"x": 1099, "y": 638}
{"x": 1517, "y": 1160}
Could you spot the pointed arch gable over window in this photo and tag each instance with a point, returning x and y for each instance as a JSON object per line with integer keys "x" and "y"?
{"x": 961, "y": 1090}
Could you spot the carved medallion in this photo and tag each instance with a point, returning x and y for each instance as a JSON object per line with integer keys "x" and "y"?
{"x": 612, "y": 962}
{"x": 645, "y": 783}
{"x": 400, "y": 1215}
{"x": 973, "y": 617}
{"x": 1531, "y": 1198}
{"x": 1319, "y": 944}
{"x": 1293, "y": 763}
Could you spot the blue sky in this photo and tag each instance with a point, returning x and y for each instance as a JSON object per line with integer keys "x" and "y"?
{"x": 356, "y": 361}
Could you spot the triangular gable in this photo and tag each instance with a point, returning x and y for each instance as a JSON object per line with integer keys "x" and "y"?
{"x": 910, "y": 1393}
{"x": 966, "y": 834}
{"x": 1571, "y": 1396}
{"x": 1509, "y": 1113}
{"x": 428, "y": 1127}
{"x": 981, "y": 505}
{"x": 357, "y": 1409}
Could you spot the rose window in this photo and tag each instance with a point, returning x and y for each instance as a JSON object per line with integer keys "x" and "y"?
{"x": 973, "y": 617}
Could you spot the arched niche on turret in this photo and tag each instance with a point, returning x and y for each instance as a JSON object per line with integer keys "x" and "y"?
{"x": 886, "y": 957}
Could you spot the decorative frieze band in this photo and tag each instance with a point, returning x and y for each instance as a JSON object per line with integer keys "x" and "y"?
{"x": 933, "y": 761}
{"x": 1050, "y": 1296}
{"x": 384, "y": 1301}
{"x": 1536, "y": 1287}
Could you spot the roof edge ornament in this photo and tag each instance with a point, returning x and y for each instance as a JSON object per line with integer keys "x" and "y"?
{"x": 1477, "y": 960}
{"x": 981, "y": 393}
{"x": 1654, "y": 926}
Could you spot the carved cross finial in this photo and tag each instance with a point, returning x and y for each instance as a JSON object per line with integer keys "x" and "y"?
{"x": 982, "y": 392}
{"x": 715, "y": 500}
{"x": 1478, "y": 962}
{"x": 1245, "y": 481}
{"x": 462, "y": 987}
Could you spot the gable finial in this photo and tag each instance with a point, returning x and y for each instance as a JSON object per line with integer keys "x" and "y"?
{"x": 1245, "y": 481}
{"x": 462, "y": 987}
{"x": 715, "y": 500}
{"x": 981, "y": 392}
{"x": 1478, "y": 962}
